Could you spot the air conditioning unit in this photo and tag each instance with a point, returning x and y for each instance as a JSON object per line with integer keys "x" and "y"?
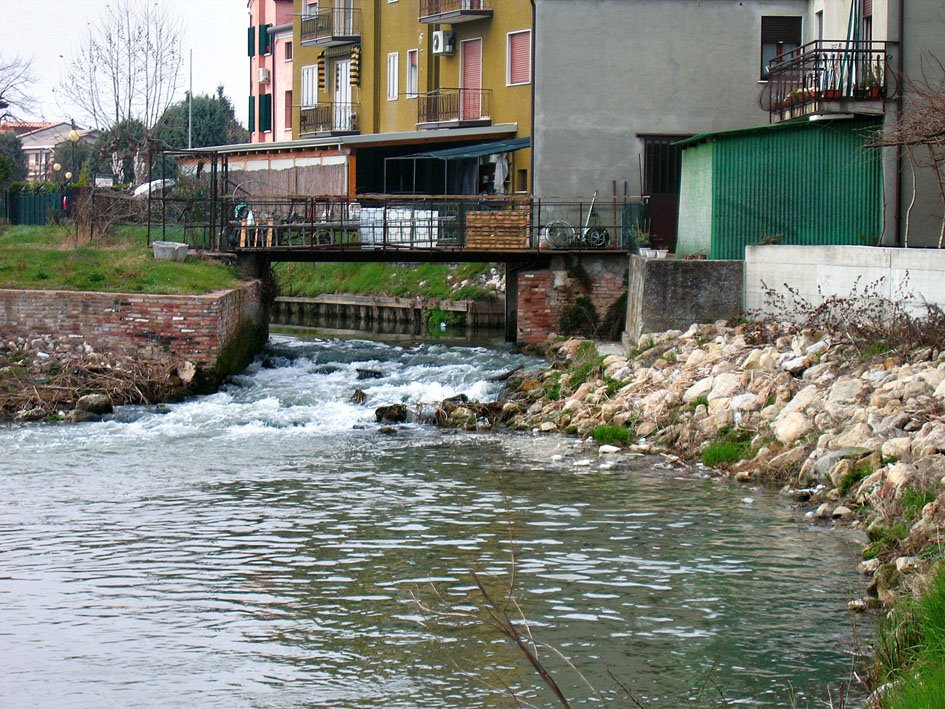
{"x": 444, "y": 42}
{"x": 264, "y": 75}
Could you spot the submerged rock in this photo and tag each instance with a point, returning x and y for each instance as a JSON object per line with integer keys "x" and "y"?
{"x": 395, "y": 413}
{"x": 94, "y": 404}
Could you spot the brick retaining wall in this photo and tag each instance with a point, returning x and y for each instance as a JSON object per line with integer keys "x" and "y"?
{"x": 544, "y": 296}
{"x": 202, "y": 329}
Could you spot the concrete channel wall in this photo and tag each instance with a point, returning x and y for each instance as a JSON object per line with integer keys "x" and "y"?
{"x": 672, "y": 294}
{"x": 219, "y": 332}
{"x": 384, "y": 314}
{"x": 913, "y": 275}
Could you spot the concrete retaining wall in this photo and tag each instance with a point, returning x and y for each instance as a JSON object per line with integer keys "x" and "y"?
{"x": 219, "y": 332}
{"x": 915, "y": 274}
{"x": 670, "y": 294}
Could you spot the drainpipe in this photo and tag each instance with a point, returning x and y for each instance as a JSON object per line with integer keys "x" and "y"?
{"x": 375, "y": 27}
{"x": 531, "y": 166}
{"x": 899, "y": 109}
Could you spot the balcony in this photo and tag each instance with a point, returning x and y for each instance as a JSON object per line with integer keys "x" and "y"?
{"x": 330, "y": 119}
{"x": 331, "y": 26}
{"x": 453, "y": 108}
{"x": 454, "y": 11}
{"x": 828, "y": 77}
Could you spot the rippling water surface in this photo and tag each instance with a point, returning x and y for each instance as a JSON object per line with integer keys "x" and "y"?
{"x": 259, "y": 547}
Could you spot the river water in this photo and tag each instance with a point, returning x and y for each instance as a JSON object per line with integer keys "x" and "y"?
{"x": 261, "y": 547}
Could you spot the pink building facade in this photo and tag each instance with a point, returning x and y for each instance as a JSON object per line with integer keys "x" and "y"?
{"x": 270, "y": 50}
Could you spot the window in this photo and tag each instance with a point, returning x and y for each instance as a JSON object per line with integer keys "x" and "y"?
{"x": 519, "y": 58}
{"x": 392, "y": 87}
{"x": 310, "y": 85}
{"x": 413, "y": 73}
{"x": 779, "y": 35}
{"x": 288, "y": 51}
{"x": 288, "y": 109}
{"x": 310, "y": 9}
{"x": 521, "y": 180}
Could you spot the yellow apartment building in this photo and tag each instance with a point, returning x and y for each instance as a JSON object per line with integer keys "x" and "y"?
{"x": 420, "y": 96}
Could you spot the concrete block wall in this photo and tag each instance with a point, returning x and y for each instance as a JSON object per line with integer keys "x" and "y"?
{"x": 918, "y": 275}
{"x": 671, "y": 294}
{"x": 198, "y": 329}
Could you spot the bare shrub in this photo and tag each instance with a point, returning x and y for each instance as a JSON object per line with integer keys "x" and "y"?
{"x": 865, "y": 318}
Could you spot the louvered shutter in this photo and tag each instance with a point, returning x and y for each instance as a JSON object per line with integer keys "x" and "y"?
{"x": 252, "y": 114}
{"x": 867, "y": 8}
{"x": 520, "y": 58}
{"x": 251, "y": 41}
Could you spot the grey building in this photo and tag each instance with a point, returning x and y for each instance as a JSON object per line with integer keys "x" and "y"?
{"x": 619, "y": 82}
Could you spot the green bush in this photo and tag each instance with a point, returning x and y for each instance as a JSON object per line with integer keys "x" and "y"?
{"x": 731, "y": 446}
{"x": 911, "y": 650}
{"x": 613, "y": 435}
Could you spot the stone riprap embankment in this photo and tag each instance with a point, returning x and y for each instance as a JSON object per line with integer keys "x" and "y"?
{"x": 858, "y": 439}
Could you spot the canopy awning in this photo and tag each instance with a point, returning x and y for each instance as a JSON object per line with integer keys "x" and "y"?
{"x": 477, "y": 150}
{"x": 471, "y": 151}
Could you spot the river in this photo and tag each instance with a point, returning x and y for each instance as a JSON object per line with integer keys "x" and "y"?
{"x": 262, "y": 547}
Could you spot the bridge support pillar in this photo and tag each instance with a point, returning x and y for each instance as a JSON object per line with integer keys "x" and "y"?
{"x": 572, "y": 296}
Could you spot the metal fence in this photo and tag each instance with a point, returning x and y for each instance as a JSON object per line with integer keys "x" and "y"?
{"x": 36, "y": 209}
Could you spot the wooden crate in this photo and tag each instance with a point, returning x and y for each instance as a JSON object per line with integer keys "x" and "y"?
{"x": 498, "y": 229}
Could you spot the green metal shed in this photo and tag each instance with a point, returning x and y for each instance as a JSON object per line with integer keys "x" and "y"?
{"x": 800, "y": 182}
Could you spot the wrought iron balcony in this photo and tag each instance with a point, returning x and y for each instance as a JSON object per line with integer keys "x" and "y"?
{"x": 330, "y": 26}
{"x": 454, "y": 11}
{"x": 824, "y": 77}
{"x": 330, "y": 119}
{"x": 454, "y": 107}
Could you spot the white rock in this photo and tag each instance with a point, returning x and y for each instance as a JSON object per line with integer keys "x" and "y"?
{"x": 725, "y": 385}
{"x": 868, "y": 567}
{"x": 818, "y": 347}
{"x": 845, "y": 389}
{"x": 698, "y": 390}
{"x": 557, "y": 458}
{"x": 788, "y": 428}
{"x": 897, "y": 448}
{"x": 608, "y": 449}
{"x": 905, "y": 564}
{"x": 695, "y": 358}
{"x": 548, "y": 426}
{"x": 795, "y": 365}
{"x": 745, "y": 402}
{"x": 804, "y": 399}
{"x": 842, "y": 512}
{"x": 583, "y": 463}
{"x": 824, "y": 511}
{"x": 900, "y": 474}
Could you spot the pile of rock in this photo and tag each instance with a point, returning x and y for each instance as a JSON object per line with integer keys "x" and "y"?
{"x": 859, "y": 439}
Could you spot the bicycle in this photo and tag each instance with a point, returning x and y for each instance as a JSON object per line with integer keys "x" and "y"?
{"x": 560, "y": 234}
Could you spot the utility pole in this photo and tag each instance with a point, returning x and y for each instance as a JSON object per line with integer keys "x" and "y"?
{"x": 190, "y": 105}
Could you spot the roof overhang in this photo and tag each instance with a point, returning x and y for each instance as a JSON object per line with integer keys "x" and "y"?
{"x": 441, "y": 135}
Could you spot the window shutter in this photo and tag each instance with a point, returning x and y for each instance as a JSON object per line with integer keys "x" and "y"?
{"x": 251, "y": 41}
{"x": 781, "y": 29}
{"x": 265, "y": 112}
{"x": 252, "y": 114}
{"x": 520, "y": 58}
{"x": 265, "y": 41}
{"x": 288, "y": 109}
{"x": 867, "y": 8}
{"x": 322, "y": 84}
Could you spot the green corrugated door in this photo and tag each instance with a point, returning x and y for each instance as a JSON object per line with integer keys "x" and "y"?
{"x": 813, "y": 183}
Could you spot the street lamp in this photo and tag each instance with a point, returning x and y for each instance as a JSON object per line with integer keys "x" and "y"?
{"x": 74, "y": 138}
{"x": 56, "y": 168}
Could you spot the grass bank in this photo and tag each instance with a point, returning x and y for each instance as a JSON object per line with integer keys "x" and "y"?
{"x": 48, "y": 258}
{"x": 474, "y": 281}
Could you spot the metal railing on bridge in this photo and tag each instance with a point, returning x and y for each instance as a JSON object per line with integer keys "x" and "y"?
{"x": 431, "y": 224}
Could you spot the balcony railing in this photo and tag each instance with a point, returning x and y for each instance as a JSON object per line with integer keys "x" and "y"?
{"x": 456, "y": 106}
{"x": 454, "y": 11}
{"x": 330, "y": 118}
{"x": 329, "y": 26}
{"x": 828, "y": 77}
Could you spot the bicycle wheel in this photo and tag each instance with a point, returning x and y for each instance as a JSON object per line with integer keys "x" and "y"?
{"x": 558, "y": 234}
{"x": 597, "y": 237}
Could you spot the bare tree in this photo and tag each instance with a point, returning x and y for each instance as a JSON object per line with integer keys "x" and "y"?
{"x": 129, "y": 66}
{"x": 15, "y": 77}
